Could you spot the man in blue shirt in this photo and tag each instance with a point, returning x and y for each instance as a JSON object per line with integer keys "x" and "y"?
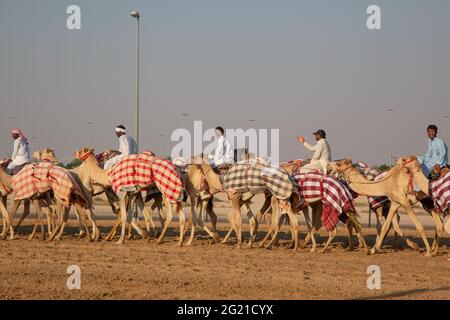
{"x": 437, "y": 154}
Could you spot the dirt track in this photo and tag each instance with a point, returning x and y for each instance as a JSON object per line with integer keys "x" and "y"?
{"x": 142, "y": 270}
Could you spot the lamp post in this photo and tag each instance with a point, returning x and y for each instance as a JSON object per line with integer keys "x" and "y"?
{"x": 390, "y": 110}
{"x": 161, "y": 140}
{"x": 136, "y": 14}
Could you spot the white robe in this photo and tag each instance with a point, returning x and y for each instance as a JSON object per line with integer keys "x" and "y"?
{"x": 224, "y": 153}
{"x": 21, "y": 154}
{"x": 127, "y": 146}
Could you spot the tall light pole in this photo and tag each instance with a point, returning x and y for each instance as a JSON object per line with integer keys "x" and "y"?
{"x": 136, "y": 14}
{"x": 390, "y": 110}
{"x": 161, "y": 141}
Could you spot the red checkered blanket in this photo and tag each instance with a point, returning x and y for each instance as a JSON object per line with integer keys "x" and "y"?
{"x": 376, "y": 202}
{"x": 336, "y": 199}
{"x": 440, "y": 191}
{"x": 38, "y": 178}
{"x": 136, "y": 172}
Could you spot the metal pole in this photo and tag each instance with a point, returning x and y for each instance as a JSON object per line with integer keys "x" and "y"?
{"x": 137, "y": 84}
{"x": 390, "y": 137}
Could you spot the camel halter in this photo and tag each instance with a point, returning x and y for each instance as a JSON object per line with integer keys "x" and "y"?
{"x": 397, "y": 168}
{"x": 86, "y": 155}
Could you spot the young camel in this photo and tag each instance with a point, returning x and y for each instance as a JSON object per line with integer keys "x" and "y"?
{"x": 93, "y": 174}
{"x": 396, "y": 186}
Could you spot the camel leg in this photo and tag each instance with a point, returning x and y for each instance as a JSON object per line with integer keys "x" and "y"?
{"x": 113, "y": 231}
{"x": 39, "y": 218}
{"x": 6, "y": 222}
{"x": 385, "y": 227}
{"x": 64, "y": 222}
{"x": 331, "y": 235}
{"x": 276, "y": 222}
{"x": 182, "y": 219}
{"x": 167, "y": 222}
{"x": 419, "y": 228}
{"x": 26, "y": 212}
{"x": 139, "y": 205}
{"x": 123, "y": 220}
{"x": 350, "y": 235}
{"x": 231, "y": 228}
{"x": 438, "y": 232}
{"x": 262, "y": 212}
{"x": 207, "y": 210}
{"x": 316, "y": 215}
{"x": 92, "y": 218}
{"x": 193, "y": 219}
{"x": 83, "y": 224}
{"x": 399, "y": 233}
{"x": 235, "y": 201}
{"x": 293, "y": 221}
{"x": 253, "y": 225}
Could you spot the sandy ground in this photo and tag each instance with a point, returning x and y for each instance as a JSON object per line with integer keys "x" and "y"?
{"x": 143, "y": 270}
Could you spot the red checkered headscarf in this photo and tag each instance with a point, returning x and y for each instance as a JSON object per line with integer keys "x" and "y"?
{"x": 19, "y": 132}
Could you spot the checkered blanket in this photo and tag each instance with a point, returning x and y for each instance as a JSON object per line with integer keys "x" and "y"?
{"x": 376, "y": 202}
{"x": 38, "y": 178}
{"x": 336, "y": 199}
{"x": 440, "y": 190}
{"x": 257, "y": 179}
{"x": 135, "y": 172}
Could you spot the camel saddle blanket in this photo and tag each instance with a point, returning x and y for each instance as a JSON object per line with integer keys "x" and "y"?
{"x": 38, "y": 178}
{"x": 377, "y": 202}
{"x": 440, "y": 191}
{"x": 136, "y": 172}
{"x": 257, "y": 179}
{"x": 336, "y": 199}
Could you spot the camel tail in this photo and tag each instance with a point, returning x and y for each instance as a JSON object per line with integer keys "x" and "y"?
{"x": 353, "y": 217}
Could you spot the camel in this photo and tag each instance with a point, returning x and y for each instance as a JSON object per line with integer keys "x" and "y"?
{"x": 199, "y": 198}
{"x": 396, "y": 186}
{"x": 234, "y": 217}
{"x": 95, "y": 175}
{"x": 80, "y": 205}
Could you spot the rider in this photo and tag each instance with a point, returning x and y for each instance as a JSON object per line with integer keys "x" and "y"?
{"x": 322, "y": 152}
{"x": 437, "y": 154}
{"x": 224, "y": 154}
{"x": 21, "y": 152}
{"x": 127, "y": 146}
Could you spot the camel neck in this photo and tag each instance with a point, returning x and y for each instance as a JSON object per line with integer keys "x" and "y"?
{"x": 98, "y": 175}
{"x": 364, "y": 187}
{"x": 5, "y": 179}
{"x": 215, "y": 186}
{"x": 422, "y": 181}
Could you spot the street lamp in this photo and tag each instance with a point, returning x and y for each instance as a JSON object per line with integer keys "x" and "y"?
{"x": 136, "y": 14}
{"x": 390, "y": 136}
{"x": 161, "y": 140}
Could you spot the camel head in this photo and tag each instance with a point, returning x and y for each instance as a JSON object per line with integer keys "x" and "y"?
{"x": 83, "y": 153}
{"x": 408, "y": 162}
{"x": 47, "y": 155}
{"x": 339, "y": 166}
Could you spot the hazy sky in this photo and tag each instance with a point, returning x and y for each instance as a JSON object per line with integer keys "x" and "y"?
{"x": 293, "y": 65}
